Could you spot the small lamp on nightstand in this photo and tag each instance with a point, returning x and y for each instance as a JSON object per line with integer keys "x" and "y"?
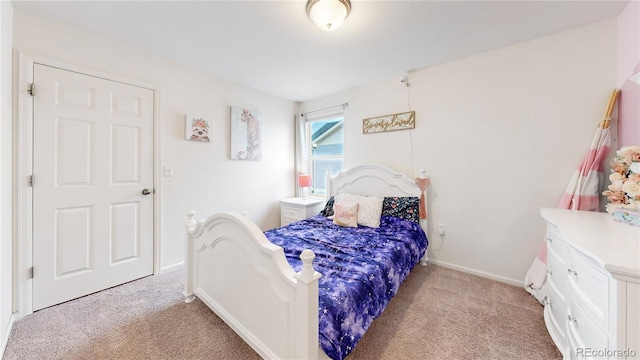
{"x": 304, "y": 181}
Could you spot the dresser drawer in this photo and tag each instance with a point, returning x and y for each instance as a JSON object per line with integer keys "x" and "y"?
{"x": 557, "y": 312}
{"x": 556, "y": 242}
{"x": 293, "y": 213}
{"x": 583, "y": 334}
{"x": 602, "y": 283}
{"x": 557, "y": 274}
{"x": 577, "y": 350}
{"x": 589, "y": 288}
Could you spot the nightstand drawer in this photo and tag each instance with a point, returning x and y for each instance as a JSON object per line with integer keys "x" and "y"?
{"x": 296, "y": 209}
{"x": 286, "y": 221}
{"x": 293, "y": 213}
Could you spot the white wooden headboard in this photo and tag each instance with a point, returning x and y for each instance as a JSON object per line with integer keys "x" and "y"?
{"x": 373, "y": 180}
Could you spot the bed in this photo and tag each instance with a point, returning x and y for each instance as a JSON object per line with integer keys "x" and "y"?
{"x": 266, "y": 287}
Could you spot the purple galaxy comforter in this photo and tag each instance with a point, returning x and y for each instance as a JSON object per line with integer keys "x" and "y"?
{"x": 361, "y": 269}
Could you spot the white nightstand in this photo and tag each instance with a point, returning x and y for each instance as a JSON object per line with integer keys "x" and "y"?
{"x": 296, "y": 209}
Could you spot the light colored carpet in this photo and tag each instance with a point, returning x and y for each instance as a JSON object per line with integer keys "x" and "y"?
{"x": 437, "y": 314}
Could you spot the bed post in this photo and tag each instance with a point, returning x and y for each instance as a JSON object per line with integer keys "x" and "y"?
{"x": 425, "y": 258}
{"x": 306, "y": 331}
{"x": 423, "y": 183}
{"x": 188, "y": 253}
{"x": 327, "y": 185}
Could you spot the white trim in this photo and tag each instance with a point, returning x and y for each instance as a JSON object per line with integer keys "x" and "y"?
{"x": 325, "y": 113}
{"x": 23, "y": 155}
{"x": 483, "y": 274}
{"x": 23, "y": 159}
{"x": 172, "y": 268}
{"x": 157, "y": 181}
{"x": 7, "y": 334}
{"x": 324, "y": 117}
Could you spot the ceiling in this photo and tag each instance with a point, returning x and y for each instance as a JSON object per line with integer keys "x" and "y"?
{"x": 273, "y": 47}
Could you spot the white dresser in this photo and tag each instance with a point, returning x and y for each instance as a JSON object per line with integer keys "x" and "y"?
{"x": 592, "y": 308}
{"x": 296, "y": 209}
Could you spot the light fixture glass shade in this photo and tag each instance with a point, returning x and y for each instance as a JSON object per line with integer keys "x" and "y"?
{"x": 328, "y": 15}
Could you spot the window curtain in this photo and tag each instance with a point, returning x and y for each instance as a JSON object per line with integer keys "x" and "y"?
{"x": 302, "y": 147}
{"x": 301, "y": 155}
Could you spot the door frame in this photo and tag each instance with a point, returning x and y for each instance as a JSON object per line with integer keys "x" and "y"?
{"x": 23, "y": 167}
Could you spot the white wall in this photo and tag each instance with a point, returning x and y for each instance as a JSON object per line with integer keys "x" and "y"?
{"x": 205, "y": 179}
{"x": 499, "y": 134}
{"x": 6, "y": 31}
{"x": 628, "y": 65}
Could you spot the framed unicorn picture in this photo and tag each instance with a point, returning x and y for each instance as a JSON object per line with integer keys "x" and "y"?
{"x": 246, "y": 134}
{"x": 197, "y": 129}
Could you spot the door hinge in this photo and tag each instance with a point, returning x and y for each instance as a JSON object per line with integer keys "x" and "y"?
{"x": 30, "y": 273}
{"x": 30, "y": 180}
{"x": 32, "y": 89}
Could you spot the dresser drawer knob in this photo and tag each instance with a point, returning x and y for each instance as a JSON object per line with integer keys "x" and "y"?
{"x": 572, "y": 319}
{"x": 572, "y": 272}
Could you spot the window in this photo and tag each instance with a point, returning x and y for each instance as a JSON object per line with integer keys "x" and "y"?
{"x": 325, "y": 139}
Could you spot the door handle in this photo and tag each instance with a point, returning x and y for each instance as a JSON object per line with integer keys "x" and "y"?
{"x": 146, "y": 192}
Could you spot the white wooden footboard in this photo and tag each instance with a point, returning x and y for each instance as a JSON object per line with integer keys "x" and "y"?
{"x": 247, "y": 281}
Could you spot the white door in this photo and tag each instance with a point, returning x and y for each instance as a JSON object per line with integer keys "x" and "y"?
{"x": 92, "y": 160}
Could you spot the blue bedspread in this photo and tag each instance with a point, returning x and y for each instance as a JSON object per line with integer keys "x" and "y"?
{"x": 361, "y": 269}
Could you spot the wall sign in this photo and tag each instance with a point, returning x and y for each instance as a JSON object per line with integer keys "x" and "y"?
{"x": 400, "y": 121}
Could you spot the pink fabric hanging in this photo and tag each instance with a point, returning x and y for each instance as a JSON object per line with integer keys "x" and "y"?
{"x": 582, "y": 193}
{"x": 423, "y": 183}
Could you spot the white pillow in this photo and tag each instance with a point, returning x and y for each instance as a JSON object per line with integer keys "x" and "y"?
{"x": 345, "y": 214}
{"x": 369, "y": 211}
{"x": 369, "y": 208}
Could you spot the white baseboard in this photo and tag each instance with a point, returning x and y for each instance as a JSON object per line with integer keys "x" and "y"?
{"x": 479, "y": 273}
{"x": 6, "y": 334}
{"x": 172, "y": 268}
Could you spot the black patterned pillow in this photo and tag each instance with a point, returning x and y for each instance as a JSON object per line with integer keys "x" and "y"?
{"x": 328, "y": 208}
{"x": 405, "y": 207}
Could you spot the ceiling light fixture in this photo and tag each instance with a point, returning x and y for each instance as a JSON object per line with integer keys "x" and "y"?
{"x": 328, "y": 14}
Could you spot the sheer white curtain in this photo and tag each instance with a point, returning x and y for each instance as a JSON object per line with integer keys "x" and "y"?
{"x": 301, "y": 150}
{"x": 302, "y": 138}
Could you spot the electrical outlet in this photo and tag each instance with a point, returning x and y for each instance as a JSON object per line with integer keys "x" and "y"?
{"x": 441, "y": 229}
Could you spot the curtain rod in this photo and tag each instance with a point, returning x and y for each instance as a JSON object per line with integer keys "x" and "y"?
{"x": 343, "y": 106}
